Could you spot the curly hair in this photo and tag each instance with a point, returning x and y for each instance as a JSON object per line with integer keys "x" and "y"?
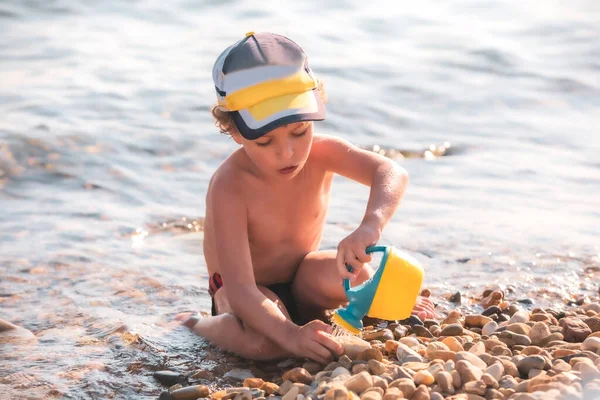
{"x": 224, "y": 120}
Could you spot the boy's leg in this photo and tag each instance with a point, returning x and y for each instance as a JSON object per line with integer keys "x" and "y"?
{"x": 318, "y": 285}
{"x": 229, "y": 333}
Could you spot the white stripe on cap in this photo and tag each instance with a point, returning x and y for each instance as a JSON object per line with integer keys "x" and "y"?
{"x": 235, "y": 81}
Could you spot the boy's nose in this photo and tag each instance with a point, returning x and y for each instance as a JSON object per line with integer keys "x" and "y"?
{"x": 287, "y": 150}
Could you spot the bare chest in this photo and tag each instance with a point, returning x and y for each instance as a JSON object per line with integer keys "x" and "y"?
{"x": 291, "y": 215}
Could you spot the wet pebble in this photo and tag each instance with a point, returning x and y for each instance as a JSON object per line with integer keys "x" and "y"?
{"x": 168, "y": 378}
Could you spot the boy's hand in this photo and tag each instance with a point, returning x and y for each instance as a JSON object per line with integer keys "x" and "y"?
{"x": 352, "y": 250}
{"x": 313, "y": 341}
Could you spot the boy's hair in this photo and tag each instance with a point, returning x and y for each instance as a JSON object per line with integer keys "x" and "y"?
{"x": 224, "y": 120}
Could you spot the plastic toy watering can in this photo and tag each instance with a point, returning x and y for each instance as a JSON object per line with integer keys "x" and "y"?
{"x": 390, "y": 294}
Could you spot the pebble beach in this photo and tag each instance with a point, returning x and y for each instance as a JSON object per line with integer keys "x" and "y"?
{"x": 503, "y": 352}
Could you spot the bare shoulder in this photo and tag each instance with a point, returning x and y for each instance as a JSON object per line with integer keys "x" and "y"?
{"x": 324, "y": 145}
{"x": 225, "y": 181}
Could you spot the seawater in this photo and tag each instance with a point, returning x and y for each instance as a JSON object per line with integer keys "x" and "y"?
{"x": 107, "y": 148}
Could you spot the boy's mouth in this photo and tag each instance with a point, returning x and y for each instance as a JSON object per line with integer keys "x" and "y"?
{"x": 288, "y": 170}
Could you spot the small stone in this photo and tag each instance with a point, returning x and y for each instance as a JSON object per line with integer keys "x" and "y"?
{"x": 391, "y": 346}
{"x": 591, "y": 344}
{"x": 423, "y": 377}
{"x": 452, "y": 330}
{"x": 406, "y": 354}
{"x": 406, "y": 386}
{"x": 168, "y": 378}
{"x": 354, "y": 345}
{"x": 538, "y": 332}
{"x": 509, "y": 368}
{"x": 370, "y": 354}
{"x": 298, "y": 374}
{"x": 475, "y": 387}
{"x": 400, "y": 332}
{"x": 531, "y": 362}
{"x": 453, "y": 344}
{"x": 508, "y": 382}
{"x": 382, "y": 335}
{"x": 476, "y": 321}
{"x": 165, "y": 395}
{"x": 191, "y": 392}
{"x": 253, "y": 382}
{"x": 456, "y": 379}
{"x": 412, "y": 320}
{"x": 269, "y": 388}
{"x": 593, "y": 323}
{"x": 519, "y": 317}
{"x": 492, "y": 310}
{"x": 512, "y": 339}
{"x": 435, "y": 396}
{"x": 393, "y": 393}
{"x": 477, "y": 348}
{"x": 421, "y": 331}
{"x": 377, "y": 367}
{"x": 471, "y": 358}
{"x": 291, "y": 394}
{"x": 455, "y": 298}
{"x": 201, "y": 374}
{"x": 496, "y": 370}
{"x": 491, "y": 298}
{"x": 239, "y": 374}
{"x": 343, "y": 361}
{"x": 372, "y": 394}
{"x": 519, "y": 327}
{"x": 337, "y": 393}
{"x": 575, "y": 330}
{"x": 359, "y": 383}
{"x": 444, "y": 380}
{"x": 592, "y": 307}
{"x": 550, "y": 338}
{"x": 339, "y": 371}
{"x": 489, "y": 381}
{"x": 433, "y": 347}
{"x": 489, "y": 328}
{"x": 421, "y": 393}
{"x": 410, "y": 341}
{"x": 467, "y": 371}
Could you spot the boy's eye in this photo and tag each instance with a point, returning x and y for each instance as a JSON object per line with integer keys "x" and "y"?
{"x": 263, "y": 144}
{"x": 300, "y": 134}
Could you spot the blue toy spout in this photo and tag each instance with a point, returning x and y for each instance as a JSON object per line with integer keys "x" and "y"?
{"x": 353, "y": 314}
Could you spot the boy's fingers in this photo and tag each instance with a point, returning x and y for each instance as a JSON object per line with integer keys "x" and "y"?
{"x": 330, "y": 344}
{"x": 361, "y": 254}
{"x": 353, "y": 262}
{"x": 339, "y": 261}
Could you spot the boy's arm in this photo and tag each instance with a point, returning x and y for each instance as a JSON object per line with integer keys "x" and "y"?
{"x": 235, "y": 264}
{"x": 247, "y": 302}
{"x": 388, "y": 183}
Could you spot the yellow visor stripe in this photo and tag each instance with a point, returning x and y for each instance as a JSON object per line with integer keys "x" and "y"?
{"x": 276, "y": 105}
{"x": 245, "y": 98}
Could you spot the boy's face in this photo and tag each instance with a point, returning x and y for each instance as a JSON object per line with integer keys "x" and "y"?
{"x": 282, "y": 152}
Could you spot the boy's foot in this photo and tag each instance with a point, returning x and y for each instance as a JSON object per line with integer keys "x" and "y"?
{"x": 424, "y": 308}
{"x": 189, "y": 319}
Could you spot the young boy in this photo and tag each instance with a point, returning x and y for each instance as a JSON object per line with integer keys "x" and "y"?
{"x": 266, "y": 206}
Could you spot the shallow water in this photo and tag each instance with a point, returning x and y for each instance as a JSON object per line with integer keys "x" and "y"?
{"x": 105, "y": 136}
